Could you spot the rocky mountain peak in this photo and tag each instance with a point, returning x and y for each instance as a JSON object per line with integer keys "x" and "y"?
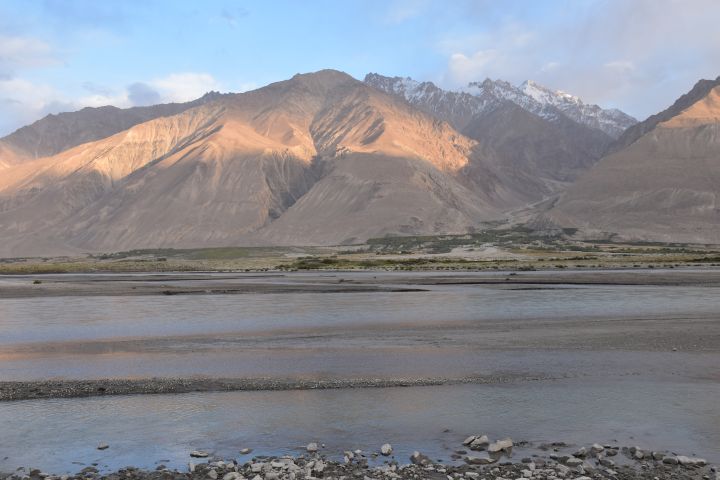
{"x": 552, "y": 105}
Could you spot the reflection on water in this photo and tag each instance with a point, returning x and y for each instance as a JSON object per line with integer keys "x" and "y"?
{"x": 615, "y": 393}
{"x": 85, "y": 318}
{"x": 339, "y": 334}
{"x": 51, "y": 434}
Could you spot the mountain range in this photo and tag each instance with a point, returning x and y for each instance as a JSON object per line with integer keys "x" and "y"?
{"x": 323, "y": 158}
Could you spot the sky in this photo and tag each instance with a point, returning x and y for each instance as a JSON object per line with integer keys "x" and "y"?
{"x": 62, "y": 55}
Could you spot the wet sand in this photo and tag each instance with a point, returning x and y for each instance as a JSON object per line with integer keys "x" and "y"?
{"x": 23, "y": 286}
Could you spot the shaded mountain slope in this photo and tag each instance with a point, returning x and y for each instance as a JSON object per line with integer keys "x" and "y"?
{"x": 664, "y": 186}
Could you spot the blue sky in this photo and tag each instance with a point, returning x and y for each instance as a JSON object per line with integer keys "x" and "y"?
{"x": 58, "y": 55}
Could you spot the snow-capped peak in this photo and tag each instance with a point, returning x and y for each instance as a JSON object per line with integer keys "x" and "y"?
{"x": 552, "y": 105}
{"x": 611, "y": 121}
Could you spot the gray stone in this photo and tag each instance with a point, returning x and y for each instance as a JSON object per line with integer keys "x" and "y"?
{"x": 504, "y": 445}
{"x": 480, "y": 460}
{"x": 480, "y": 443}
{"x": 418, "y": 458}
{"x": 199, "y": 454}
{"x": 573, "y": 462}
{"x": 691, "y": 462}
{"x": 212, "y": 474}
{"x": 103, "y": 446}
{"x": 386, "y": 449}
{"x": 312, "y": 447}
{"x": 670, "y": 461}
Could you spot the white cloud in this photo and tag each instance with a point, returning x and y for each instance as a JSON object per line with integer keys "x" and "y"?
{"x": 401, "y": 10}
{"x": 23, "y": 102}
{"x": 462, "y": 68}
{"x": 183, "y": 87}
{"x": 620, "y": 66}
{"x": 23, "y": 52}
{"x": 638, "y": 55}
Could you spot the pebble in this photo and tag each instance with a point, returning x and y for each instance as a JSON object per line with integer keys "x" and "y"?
{"x": 483, "y": 466}
{"x": 245, "y": 451}
{"x": 386, "y": 449}
{"x": 103, "y": 446}
{"x": 199, "y": 454}
{"x": 312, "y": 447}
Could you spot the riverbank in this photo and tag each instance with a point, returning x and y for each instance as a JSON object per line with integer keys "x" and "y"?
{"x": 474, "y": 458}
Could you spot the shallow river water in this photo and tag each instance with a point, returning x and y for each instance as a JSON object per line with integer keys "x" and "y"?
{"x": 651, "y": 397}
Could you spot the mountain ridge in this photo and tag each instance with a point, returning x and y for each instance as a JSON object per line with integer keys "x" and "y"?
{"x": 224, "y": 172}
{"x": 542, "y": 101}
{"x": 323, "y": 158}
{"x": 663, "y": 185}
